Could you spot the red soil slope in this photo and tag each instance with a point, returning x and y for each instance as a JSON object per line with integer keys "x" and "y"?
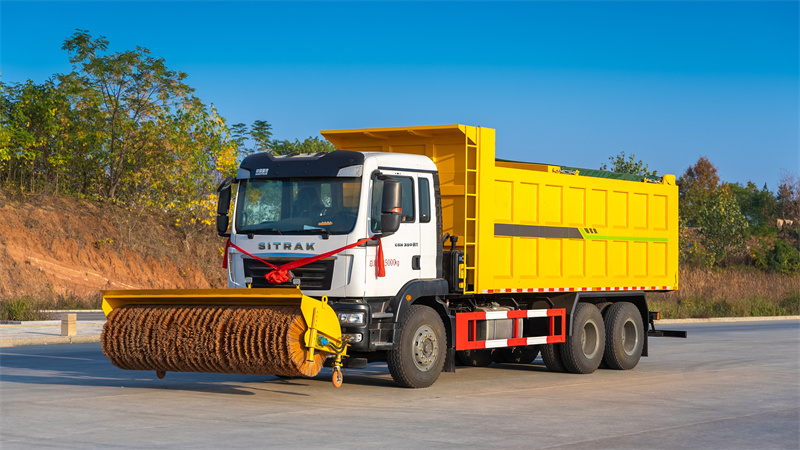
{"x": 65, "y": 246}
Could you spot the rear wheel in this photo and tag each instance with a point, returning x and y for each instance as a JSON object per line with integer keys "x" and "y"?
{"x": 517, "y": 355}
{"x": 624, "y": 337}
{"x": 418, "y": 357}
{"x": 551, "y": 356}
{"x": 583, "y": 351}
{"x": 602, "y": 307}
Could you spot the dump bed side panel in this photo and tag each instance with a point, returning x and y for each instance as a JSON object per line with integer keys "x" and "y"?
{"x": 554, "y": 231}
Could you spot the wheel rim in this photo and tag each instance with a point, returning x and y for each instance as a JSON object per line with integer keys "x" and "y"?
{"x": 426, "y": 348}
{"x": 630, "y": 337}
{"x": 590, "y": 342}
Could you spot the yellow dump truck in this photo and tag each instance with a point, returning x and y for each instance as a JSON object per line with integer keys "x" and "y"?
{"x": 415, "y": 246}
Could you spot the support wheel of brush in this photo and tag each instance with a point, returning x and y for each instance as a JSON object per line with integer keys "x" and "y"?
{"x": 161, "y": 374}
{"x": 337, "y": 377}
{"x": 418, "y": 356}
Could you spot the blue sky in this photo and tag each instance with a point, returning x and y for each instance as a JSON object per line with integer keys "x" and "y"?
{"x": 567, "y": 83}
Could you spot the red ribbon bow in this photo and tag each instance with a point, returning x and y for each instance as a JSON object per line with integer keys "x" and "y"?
{"x": 280, "y": 274}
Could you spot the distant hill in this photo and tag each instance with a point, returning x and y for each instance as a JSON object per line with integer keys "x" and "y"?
{"x": 51, "y": 246}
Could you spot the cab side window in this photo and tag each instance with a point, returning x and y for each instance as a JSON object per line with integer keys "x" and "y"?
{"x": 408, "y": 199}
{"x": 408, "y": 214}
{"x": 424, "y": 201}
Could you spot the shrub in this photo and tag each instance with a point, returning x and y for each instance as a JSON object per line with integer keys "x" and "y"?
{"x": 782, "y": 258}
{"x": 23, "y": 308}
{"x": 790, "y": 305}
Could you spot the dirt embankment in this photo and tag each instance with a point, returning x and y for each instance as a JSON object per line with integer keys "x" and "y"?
{"x": 51, "y": 246}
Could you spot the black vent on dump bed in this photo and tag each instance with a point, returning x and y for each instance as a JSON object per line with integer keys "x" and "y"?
{"x": 314, "y": 276}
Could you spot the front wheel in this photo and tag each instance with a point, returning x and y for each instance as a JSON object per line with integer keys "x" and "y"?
{"x": 418, "y": 358}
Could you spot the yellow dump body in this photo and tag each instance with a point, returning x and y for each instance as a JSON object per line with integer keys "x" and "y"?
{"x": 534, "y": 227}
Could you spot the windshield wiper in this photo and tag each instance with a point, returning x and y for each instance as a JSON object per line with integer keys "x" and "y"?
{"x": 313, "y": 230}
{"x": 264, "y": 230}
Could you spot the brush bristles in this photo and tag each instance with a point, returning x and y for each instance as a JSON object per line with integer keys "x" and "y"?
{"x": 256, "y": 340}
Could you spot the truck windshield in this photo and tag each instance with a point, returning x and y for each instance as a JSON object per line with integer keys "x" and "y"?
{"x": 298, "y": 206}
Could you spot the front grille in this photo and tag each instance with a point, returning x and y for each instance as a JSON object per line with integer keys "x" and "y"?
{"x": 314, "y": 276}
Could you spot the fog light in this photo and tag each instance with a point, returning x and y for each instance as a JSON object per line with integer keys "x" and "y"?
{"x": 352, "y": 337}
{"x": 351, "y": 318}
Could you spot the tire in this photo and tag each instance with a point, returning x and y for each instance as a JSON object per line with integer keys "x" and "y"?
{"x": 583, "y": 351}
{"x": 624, "y": 336}
{"x": 602, "y": 307}
{"x": 476, "y": 358}
{"x": 418, "y": 357}
{"x": 517, "y": 355}
{"x": 551, "y": 356}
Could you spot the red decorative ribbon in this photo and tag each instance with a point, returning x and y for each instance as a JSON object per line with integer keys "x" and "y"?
{"x": 280, "y": 274}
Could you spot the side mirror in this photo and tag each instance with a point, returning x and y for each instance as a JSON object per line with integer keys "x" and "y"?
{"x": 223, "y": 206}
{"x": 391, "y": 206}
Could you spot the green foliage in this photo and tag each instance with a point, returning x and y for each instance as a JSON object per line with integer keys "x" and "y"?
{"x": 780, "y": 258}
{"x": 27, "y": 308}
{"x": 630, "y": 165}
{"x": 791, "y": 305}
{"x": 38, "y": 139}
{"x": 722, "y": 225}
{"x": 21, "y": 309}
{"x": 261, "y": 132}
{"x": 696, "y": 188}
{"x": 759, "y": 206}
{"x": 308, "y": 145}
{"x": 122, "y": 127}
{"x": 695, "y": 254}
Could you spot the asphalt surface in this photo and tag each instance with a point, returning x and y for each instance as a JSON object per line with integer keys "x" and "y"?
{"x": 82, "y": 315}
{"x": 729, "y": 385}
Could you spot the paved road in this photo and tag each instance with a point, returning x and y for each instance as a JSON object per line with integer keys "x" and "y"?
{"x": 728, "y": 386}
{"x": 81, "y": 315}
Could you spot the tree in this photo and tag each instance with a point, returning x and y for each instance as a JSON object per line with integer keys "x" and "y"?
{"x": 722, "y": 225}
{"x": 126, "y": 97}
{"x": 621, "y": 164}
{"x": 308, "y": 145}
{"x": 696, "y": 187}
{"x": 239, "y": 133}
{"x": 759, "y": 206}
{"x": 38, "y": 137}
{"x": 261, "y": 133}
{"x": 788, "y": 198}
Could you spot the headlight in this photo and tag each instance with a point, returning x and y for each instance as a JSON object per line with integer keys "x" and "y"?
{"x": 351, "y": 318}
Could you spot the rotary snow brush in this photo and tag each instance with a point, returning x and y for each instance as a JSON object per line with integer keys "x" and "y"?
{"x": 247, "y": 331}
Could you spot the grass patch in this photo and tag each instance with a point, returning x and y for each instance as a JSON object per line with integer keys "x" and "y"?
{"x": 22, "y": 308}
{"x": 730, "y": 292}
{"x": 687, "y": 308}
{"x": 30, "y": 308}
{"x": 70, "y": 301}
